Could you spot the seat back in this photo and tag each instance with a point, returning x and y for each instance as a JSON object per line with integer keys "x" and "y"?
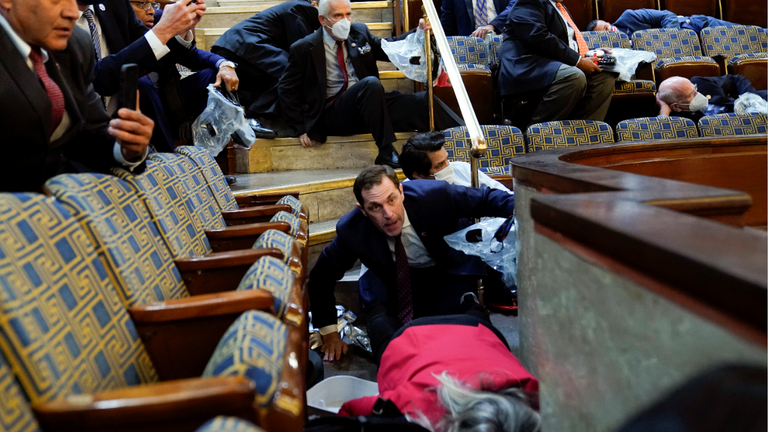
{"x": 118, "y": 223}
{"x": 567, "y": 133}
{"x": 273, "y": 275}
{"x": 655, "y": 128}
{"x": 667, "y": 42}
{"x": 494, "y": 48}
{"x": 693, "y": 7}
{"x": 746, "y": 12}
{"x": 228, "y": 424}
{"x": 179, "y": 224}
{"x": 611, "y": 10}
{"x": 15, "y": 412}
{"x": 291, "y": 249}
{"x": 298, "y": 228}
{"x": 63, "y": 328}
{"x": 729, "y": 42}
{"x": 213, "y": 175}
{"x": 503, "y": 142}
{"x": 606, "y": 39}
{"x": 468, "y": 50}
{"x": 731, "y": 124}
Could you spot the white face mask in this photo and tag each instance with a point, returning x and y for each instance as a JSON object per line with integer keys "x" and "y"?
{"x": 340, "y": 29}
{"x": 698, "y": 103}
{"x": 445, "y": 174}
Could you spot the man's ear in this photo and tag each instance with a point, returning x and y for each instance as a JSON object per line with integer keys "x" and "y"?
{"x": 362, "y": 210}
{"x": 401, "y": 188}
{"x": 675, "y": 107}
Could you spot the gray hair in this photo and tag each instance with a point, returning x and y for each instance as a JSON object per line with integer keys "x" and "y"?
{"x": 324, "y": 6}
{"x": 670, "y": 90}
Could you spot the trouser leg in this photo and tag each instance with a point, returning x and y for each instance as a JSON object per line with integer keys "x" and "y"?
{"x": 564, "y": 93}
{"x": 410, "y": 112}
{"x": 151, "y": 106}
{"x": 597, "y": 98}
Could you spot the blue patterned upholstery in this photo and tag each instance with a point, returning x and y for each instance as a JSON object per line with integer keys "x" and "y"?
{"x": 15, "y": 412}
{"x": 196, "y": 189}
{"x": 667, "y": 42}
{"x": 494, "y": 47}
{"x": 270, "y": 274}
{"x": 118, "y": 224}
{"x": 473, "y": 67}
{"x": 285, "y": 243}
{"x": 731, "y": 124}
{"x": 297, "y": 227}
{"x": 607, "y": 39}
{"x": 468, "y": 50}
{"x": 253, "y": 347}
{"x": 750, "y": 56}
{"x": 634, "y": 86}
{"x": 177, "y": 221}
{"x": 292, "y": 201}
{"x": 212, "y": 173}
{"x": 673, "y": 60}
{"x": 730, "y": 42}
{"x": 63, "y": 328}
{"x": 567, "y": 133}
{"x": 503, "y": 143}
{"x": 655, "y": 128}
{"x": 228, "y": 424}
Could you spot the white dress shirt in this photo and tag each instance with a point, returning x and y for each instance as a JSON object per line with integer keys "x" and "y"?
{"x": 490, "y": 9}
{"x": 334, "y": 78}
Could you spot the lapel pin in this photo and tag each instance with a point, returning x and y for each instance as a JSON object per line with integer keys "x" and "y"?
{"x": 101, "y": 6}
{"x": 354, "y": 45}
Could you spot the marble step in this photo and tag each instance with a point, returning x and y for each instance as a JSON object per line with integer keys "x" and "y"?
{"x": 227, "y": 16}
{"x": 286, "y": 154}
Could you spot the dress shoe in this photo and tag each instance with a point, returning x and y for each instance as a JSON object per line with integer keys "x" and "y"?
{"x": 391, "y": 160}
{"x": 230, "y": 180}
{"x": 261, "y": 131}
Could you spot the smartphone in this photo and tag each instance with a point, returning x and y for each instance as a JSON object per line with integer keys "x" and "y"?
{"x": 129, "y": 77}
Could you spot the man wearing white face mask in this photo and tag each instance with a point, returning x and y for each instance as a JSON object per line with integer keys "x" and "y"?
{"x": 678, "y": 96}
{"x": 331, "y": 87}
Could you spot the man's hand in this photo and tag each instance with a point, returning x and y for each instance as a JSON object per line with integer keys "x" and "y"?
{"x": 333, "y": 347}
{"x": 132, "y": 130}
{"x": 228, "y": 76}
{"x": 482, "y": 31}
{"x": 177, "y": 19}
{"x": 423, "y": 25}
{"x": 664, "y": 109}
{"x": 588, "y": 66}
{"x": 306, "y": 141}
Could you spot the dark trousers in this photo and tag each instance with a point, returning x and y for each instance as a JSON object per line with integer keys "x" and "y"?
{"x": 257, "y": 89}
{"x": 367, "y": 108}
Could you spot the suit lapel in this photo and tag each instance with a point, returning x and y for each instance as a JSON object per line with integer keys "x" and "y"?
{"x": 470, "y": 11}
{"x": 107, "y": 21}
{"x": 318, "y": 57}
{"x": 354, "y": 42}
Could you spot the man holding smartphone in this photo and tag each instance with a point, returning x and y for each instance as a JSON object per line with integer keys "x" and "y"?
{"x": 52, "y": 121}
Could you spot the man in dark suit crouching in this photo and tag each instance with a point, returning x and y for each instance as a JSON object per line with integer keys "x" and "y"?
{"x": 331, "y": 87}
{"x": 51, "y": 120}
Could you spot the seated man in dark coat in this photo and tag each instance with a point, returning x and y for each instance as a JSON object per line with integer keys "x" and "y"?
{"x": 631, "y": 21}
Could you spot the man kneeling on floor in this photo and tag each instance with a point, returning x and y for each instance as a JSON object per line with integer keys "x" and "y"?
{"x": 397, "y": 231}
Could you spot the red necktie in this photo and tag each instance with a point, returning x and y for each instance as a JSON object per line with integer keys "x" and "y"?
{"x": 576, "y": 33}
{"x": 404, "y": 299}
{"x": 53, "y": 90}
{"x": 342, "y": 65}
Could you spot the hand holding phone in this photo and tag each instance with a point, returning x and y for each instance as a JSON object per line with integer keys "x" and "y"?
{"x": 129, "y": 77}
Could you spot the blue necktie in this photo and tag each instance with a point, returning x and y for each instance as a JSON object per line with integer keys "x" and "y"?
{"x": 481, "y": 13}
{"x": 88, "y": 14}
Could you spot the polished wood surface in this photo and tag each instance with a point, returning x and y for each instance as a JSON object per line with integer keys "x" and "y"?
{"x": 611, "y": 10}
{"x": 746, "y": 12}
{"x": 253, "y": 214}
{"x": 687, "y": 69}
{"x": 479, "y": 86}
{"x": 257, "y": 199}
{"x": 646, "y": 222}
{"x": 693, "y": 7}
{"x": 239, "y": 237}
{"x": 221, "y": 271}
{"x": 755, "y": 70}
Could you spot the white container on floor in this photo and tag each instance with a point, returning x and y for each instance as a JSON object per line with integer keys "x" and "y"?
{"x": 331, "y": 393}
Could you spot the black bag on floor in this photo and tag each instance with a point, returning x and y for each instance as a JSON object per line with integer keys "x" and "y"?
{"x": 385, "y": 418}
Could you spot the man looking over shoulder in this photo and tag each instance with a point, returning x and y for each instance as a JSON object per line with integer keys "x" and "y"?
{"x": 52, "y": 120}
{"x": 331, "y": 87}
{"x": 397, "y": 231}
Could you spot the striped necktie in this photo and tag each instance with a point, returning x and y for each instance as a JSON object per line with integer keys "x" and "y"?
{"x": 404, "y": 298}
{"x": 576, "y": 33}
{"x": 481, "y": 13}
{"x": 54, "y": 91}
{"x": 88, "y": 14}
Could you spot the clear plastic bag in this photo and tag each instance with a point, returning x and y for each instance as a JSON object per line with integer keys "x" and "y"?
{"x": 750, "y": 103}
{"x": 501, "y": 256}
{"x": 408, "y": 55}
{"x": 223, "y": 119}
{"x": 627, "y": 61}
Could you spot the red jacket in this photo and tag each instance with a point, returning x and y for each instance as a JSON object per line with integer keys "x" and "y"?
{"x": 470, "y": 354}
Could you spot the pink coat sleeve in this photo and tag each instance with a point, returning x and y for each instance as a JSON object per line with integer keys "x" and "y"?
{"x": 358, "y": 407}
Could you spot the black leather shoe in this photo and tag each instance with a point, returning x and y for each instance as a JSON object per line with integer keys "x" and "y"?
{"x": 261, "y": 131}
{"x": 230, "y": 180}
{"x": 391, "y": 160}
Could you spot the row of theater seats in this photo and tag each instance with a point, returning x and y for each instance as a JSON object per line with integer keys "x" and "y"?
{"x": 506, "y": 142}
{"x": 110, "y": 284}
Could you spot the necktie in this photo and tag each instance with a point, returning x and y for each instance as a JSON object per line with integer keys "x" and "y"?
{"x": 88, "y": 14}
{"x": 576, "y": 33}
{"x": 53, "y": 90}
{"x": 342, "y": 65}
{"x": 404, "y": 299}
{"x": 481, "y": 13}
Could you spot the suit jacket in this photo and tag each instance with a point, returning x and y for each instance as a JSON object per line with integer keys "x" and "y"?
{"x": 458, "y": 16}
{"x": 535, "y": 46}
{"x": 435, "y": 209}
{"x": 303, "y": 85}
{"x": 631, "y": 21}
{"x": 25, "y": 112}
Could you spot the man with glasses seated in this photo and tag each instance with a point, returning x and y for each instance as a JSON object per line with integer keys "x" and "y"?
{"x": 119, "y": 37}
{"x": 145, "y": 12}
{"x": 702, "y": 96}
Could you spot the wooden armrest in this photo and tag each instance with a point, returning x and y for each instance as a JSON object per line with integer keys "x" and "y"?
{"x": 253, "y": 214}
{"x": 220, "y": 271}
{"x": 181, "y": 405}
{"x": 262, "y": 198}
{"x": 722, "y": 61}
{"x": 181, "y": 335}
{"x": 241, "y": 236}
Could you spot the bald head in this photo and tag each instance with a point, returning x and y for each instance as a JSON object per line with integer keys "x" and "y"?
{"x": 677, "y": 90}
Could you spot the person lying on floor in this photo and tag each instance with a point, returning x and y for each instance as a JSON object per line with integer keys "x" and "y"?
{"x": 454, "y": 373}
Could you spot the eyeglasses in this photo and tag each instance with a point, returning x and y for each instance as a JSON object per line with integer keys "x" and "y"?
{"x": 147, "y": 5}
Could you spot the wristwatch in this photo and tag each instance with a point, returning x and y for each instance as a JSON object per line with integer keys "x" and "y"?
{"x": 227, "y": 63}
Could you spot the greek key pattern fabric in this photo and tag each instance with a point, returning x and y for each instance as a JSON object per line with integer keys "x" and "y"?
{"x": 731, "y": 124}
{"x": 655, "y": 128}
{"x": 292, "y": 201}
{"x": 213, "y": 175}
{"x": 669, "y": 61}
{"x": 668, "y": 42}
{"x": 253, "y": 347}
{"x": 228, "y": 424}
{"x": 494, "y": 47}
{"x": 567, "y": 133}
{"x": 468, "y": 50}
{"x": 473, "y": 67}
{"x": 729, "y": 42}
{"x": 195, "y": 189}
{"x": 15, "y": 412}
{"x": 634, "y": 86}
{"x": 126, "y": 240}
{"x": 283, "y": 242}
{"x": 270, "y": 274}
{"x": 175, "y": 219}
{"x": 63, "y": 328}
{"x": 607, "y": 39}
{"x": 293, "y": 221}
{"x": 502, "y": 142}
{"x": 747, "y": 57}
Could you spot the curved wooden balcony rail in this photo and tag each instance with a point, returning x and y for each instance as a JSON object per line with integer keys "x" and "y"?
{"x": 677, "y": 215}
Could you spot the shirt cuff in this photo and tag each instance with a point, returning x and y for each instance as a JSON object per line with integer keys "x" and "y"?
{"x": 187, "y": 40}
{"x": 158, "y": 48}
{"x": 118, "y": 155}
{"x": 327, "y": 329}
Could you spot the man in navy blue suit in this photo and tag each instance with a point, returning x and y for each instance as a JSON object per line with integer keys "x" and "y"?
{"x": 397, "y": 231}
{"x": 631, "y": 21}
{"x": 466, "y": 17}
